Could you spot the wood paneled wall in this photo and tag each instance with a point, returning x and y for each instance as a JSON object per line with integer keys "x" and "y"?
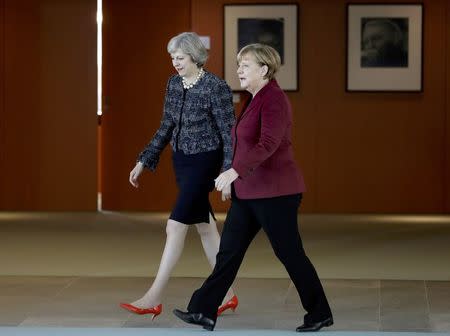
{"x": 446, "y": 184}
{"x": 19, "y": 120}
{"x": 48, "y": 117}
{"x": 2, "y": 98}
{"x": 359, "y": 152}
{"x": 136, "y": 69}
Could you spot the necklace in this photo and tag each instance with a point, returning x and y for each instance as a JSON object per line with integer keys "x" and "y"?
{"x": 187, "y": 85}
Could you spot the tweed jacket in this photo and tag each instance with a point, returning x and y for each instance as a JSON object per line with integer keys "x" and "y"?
{"x": 263, "y": 155}
{"x": 200, "y": 122}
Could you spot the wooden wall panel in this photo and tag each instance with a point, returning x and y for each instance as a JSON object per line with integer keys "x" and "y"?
{"x": 360, "y": 152}
{"x": 68, "y": 119}
{"x": 446, "y": 183}
{"x": 20, "y": 115}
{"x": 136, "y": 70}
{"x": 2, "y": 98}
{"x": 48, "y": 140}
{"x": 380, "y": 152}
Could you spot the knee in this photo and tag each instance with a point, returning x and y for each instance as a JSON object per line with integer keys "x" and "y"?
{"x": 229, "y": 255}
{"x": 175, "y": 228}
{"x": 205, "y": 230}
{"x": 286, "y": 253}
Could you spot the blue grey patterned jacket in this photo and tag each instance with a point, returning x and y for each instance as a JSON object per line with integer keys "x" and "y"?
{"x": 207, "y": 117}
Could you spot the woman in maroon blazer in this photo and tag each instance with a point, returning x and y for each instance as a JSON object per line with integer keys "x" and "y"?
{"x": 267, "y": 190}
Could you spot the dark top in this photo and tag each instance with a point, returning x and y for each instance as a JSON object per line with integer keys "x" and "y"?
{"x": 199, "y": 120}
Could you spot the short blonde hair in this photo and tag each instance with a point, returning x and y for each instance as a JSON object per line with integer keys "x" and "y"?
{"x": 264, "y": 55}
{"x": 190, "y": 44}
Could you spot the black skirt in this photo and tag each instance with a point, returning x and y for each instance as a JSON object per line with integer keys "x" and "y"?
{"x": 195, "y": 174}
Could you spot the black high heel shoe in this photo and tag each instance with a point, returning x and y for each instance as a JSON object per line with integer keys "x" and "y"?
{"x": 195, "y": 318}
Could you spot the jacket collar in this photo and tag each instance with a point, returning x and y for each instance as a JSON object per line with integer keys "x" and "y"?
{"x": 270, "y": 85}
{"x": 259, "y": 95}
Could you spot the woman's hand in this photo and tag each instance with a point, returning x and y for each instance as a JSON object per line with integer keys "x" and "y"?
{"x": 226, "y": 178}
{"x": 226, "y": 193}
{"x": 134, "y": 174}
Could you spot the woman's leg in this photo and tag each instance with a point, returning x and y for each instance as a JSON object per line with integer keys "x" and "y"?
{"x": 278, "y": 217}
{"x": 238, "y": 232}
{"x": 211, "y": 240}
{"x": 176, "y": 234}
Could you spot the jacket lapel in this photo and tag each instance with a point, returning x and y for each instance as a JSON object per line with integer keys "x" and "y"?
{"x": 250, "y": 107}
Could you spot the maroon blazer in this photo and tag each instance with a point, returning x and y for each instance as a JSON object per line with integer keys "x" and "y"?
{"x": 262, "y": 147}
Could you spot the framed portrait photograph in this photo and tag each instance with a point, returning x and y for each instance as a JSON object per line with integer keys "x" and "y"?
{"x": 385, "y": 47}
{"x": 272, "y": 24}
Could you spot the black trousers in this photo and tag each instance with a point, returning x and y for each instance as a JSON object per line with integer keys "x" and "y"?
{"x": 278, "y": 218}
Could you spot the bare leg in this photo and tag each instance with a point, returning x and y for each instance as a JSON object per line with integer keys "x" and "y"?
{"x": 176, "y": 234}
{"x": 211, "y": 240}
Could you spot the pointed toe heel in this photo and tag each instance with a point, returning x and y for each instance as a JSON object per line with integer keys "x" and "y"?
{"x": 155, "y": 311}
{"x": 231, "y": 304}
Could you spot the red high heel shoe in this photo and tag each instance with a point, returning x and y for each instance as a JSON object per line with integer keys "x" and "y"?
{"x": 141, "y": 311}
{"x": 231, "y": 304}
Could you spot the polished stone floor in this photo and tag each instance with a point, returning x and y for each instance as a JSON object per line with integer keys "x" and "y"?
{"x": 364, "y": 305}
{"x": 380, "y": 272}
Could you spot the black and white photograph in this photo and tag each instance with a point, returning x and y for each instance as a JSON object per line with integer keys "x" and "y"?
{"x": 384, "y": 42}
{"x": 273, "y": 24}
{"x": 384, "y": 47}
{"x": 265, "y": 31}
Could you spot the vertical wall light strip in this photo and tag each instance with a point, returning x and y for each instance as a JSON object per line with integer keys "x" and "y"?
{"x": 99, "y": 99}
{"x": 99, "y": 56}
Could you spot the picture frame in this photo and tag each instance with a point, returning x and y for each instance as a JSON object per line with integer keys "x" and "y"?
{"x": 384, "y": 47}
{"x": 272, "y": 24}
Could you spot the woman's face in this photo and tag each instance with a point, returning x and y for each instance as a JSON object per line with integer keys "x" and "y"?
{"x": 251, "y": 74}
{"x": 183, "y": 64}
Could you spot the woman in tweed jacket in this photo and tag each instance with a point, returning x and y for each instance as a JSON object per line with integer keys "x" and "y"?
{"x": 197, "y": 120}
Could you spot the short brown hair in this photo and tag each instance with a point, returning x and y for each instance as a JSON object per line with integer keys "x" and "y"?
{"x": 264, "y": 55}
